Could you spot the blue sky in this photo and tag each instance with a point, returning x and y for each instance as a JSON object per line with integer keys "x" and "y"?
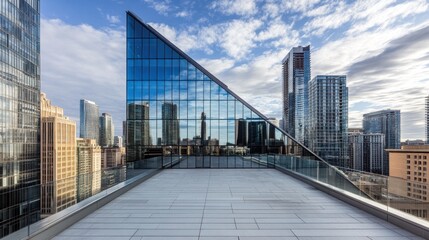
{"x": 382, "y": 47}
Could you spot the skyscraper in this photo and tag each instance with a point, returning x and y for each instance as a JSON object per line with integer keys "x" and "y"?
{"x": 88, "y": 168}
{"x": 58, "y": 159}
{"x": 387, "y": 122}
{"x": 257, "y": 136}
{"x": 170, "y": 124}
{"x": 241, "y": 132}
{"x": 203, "y": 127}
{"x": 107, "y": 131}
{"x": 89, "y": 120}
{"x": 427, "y": 119}
{"x": 20, "y": 114}
{"x": 328, "y": 122}
{"x": 138, "y": 135}
{"x": 296, "y": 76}
{"x": 366, "y": 152}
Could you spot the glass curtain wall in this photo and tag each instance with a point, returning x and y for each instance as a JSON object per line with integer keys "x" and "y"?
{"x": 181, "y": 116}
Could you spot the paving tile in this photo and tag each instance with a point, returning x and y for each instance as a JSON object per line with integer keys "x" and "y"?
{"x": 229, "y": 204}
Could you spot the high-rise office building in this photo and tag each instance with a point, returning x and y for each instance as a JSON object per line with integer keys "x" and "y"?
{"x": 296, "y": 77}
{"x": 20, "y": 114}
{"x": 107, "y": 131}
{"x": 185, "y": 104}
{"x": 203, "y": 127}
{"x": 118, "y": 141}
{"x": 427, "y": 119}
{"x": 328, "y": 118}
{"x": 89, "y": 120}
{"x": 387, "y": 122}
{"x": 58, "y": 158}
{"x": 170, "y": 124}
{"x": 88, "y": 168}
{"x": 241, "y": 132}
{"x": 257, "y": 136}
{"x": 366, "y": 152}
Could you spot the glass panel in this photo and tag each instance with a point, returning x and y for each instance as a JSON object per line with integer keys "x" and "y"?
{"x": 153, "y": 91}
{"x": 144, "y": 70}
{"x": 192, "y": 90}
{"x": 199, "y": 75}
{"x": 130, "y": 26}
{"x": 214, "y": 93}
{"x": 183, "y": 90}
{"x": 138, "y": 89}
{"x": 183, "y": 69}
{"x": 168, "y": 91}
{"x": 214, "y": 109}
{"x": 153, "y": 134}
{"x": 145, "y": 90}
{"x": 176, "y": 90}
{"x": 176, "y": 69}
{"x": 138, "y": 48}
{"x": 160, "y": 90}
{"x": 167, "y": 52}
{"x": 152, "y": 48}
{"x": 138, "y": 72}
{"x": 130, "y": 48}
{"x": 183, "y": 110}
{"x": 130, "y": 69}
{"x": 223, "y": 109}
{"x": 200, "y": 90}
{"x": 191, "y": 72}
{"x": 192, "y": 114}
{"x": 130, "y": 90}
{"x": 207, "y": 109}
{"x": 246, "y": 113}
{"x": 145, "y": 50}
{"x": 222, "y": 94}
{"x": 161, "y": 70}
{"x": 160, "y": 46}
{"x": 223, "y": 132}
{"x": 152, "y": 110}
{"x": 168, "y": 70}
{"x": 153, "y": 70}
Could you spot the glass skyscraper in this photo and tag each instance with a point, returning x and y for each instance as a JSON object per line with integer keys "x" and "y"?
{"x": 179, "y": 115}
{"x": 107, "y": 130}
{"x": 387, "y": 122}
{"x": 328, "y": 118}
{"x": 19, "y": 114}
{"x": 89, "y": 120}
{"x": 296, "y": 76}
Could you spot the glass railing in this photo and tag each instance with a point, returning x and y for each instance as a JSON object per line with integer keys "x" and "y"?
{"x": 406, "y": 198}
{"x": 58, "y": 196}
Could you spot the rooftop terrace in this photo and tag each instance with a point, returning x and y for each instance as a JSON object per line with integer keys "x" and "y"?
{"x": 239, "y": 204}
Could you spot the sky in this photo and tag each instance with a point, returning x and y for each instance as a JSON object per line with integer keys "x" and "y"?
{"x": 381, "y": 45}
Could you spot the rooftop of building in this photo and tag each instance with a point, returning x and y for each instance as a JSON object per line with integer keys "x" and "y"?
{"x": 229, "y": 204}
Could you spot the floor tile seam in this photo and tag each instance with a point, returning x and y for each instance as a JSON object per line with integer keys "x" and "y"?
{"x": 205, "y": 202}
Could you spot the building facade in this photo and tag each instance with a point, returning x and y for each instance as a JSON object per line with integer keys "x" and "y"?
{"x": 296, "y": 77}
{"x": 111, "y": 157}
{"x": 58, "y": 159}
{"x": 180, "y": 115}
{"x": 427, "y": 118}
{"x": 88, "y": 168}
{"x": 387, "y": 122}
{"x": 408, "y": 178}
{"x": 366, "y": 152}
{"x": 328, "y": 118}
{"x": 89, "y": 120}
{"x": 19, "y": 114}
{"x": 107, "y": 130}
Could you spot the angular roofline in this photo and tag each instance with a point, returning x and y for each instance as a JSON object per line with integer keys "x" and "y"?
{"x": 214, "y": 78}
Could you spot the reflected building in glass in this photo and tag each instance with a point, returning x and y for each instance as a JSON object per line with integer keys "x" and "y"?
{"x": 179, "y": 115}
{"x": 19, "y": 114}
{"x": 107, "y": 130}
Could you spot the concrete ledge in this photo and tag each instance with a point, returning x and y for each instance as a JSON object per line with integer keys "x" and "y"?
{"x": 55, "y": 224}
{"x": 403, "y": 220}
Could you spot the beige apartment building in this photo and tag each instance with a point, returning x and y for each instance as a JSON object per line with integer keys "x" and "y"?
{"x": 111, "y": 157}
{"x": 88, "y": 167}
{"x": 58, "y": 158}
{"x": 408, "y": 177}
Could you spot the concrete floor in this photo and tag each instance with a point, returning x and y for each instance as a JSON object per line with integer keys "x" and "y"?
{"x": 229, "y": 204}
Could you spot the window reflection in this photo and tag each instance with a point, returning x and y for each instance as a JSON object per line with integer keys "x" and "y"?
{"x": 175, "y": 111}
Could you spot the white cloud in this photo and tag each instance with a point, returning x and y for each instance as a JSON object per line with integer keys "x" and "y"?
{"x": 183, "y": 14}
{"x": 113, "y": 19}
{"x": 237, "y": 7}
{"x": 79, "y": 61}
{"x": 161, "y": 6}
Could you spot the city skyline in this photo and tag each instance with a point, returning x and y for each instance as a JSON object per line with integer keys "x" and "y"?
{"x": 267, "y": 35}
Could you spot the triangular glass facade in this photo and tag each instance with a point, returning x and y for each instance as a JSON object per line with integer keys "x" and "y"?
{"x": 179, "y": 115}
